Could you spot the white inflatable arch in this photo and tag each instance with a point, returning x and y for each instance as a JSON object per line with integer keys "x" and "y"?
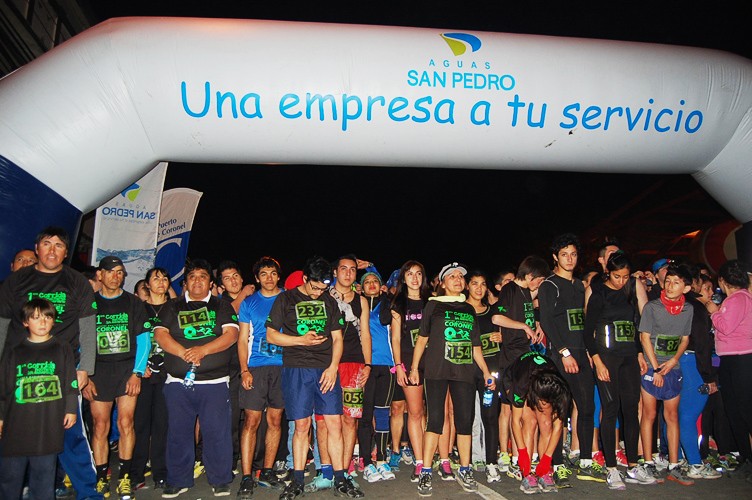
{"x": 86, "y": 119}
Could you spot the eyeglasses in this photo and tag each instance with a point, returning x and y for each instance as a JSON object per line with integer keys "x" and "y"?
{"x": 318, "y": 288}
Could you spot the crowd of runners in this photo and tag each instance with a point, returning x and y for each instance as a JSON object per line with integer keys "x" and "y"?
{"x": 314, "y": 379}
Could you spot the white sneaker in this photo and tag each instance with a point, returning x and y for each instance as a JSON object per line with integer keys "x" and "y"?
{"x": 370, "y": 474}
{"x": 492, "y": 473}
{"x": 386, "y": 472}
{"x": 614, "y": 480}
{"x": 660, "y": 461}
{"x": 638, "y": 475}
{"x": 703, "y": 471}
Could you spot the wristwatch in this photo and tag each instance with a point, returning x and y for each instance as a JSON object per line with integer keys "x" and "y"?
{"x": 139, "y": 375}
{"x": 565, "y": 353}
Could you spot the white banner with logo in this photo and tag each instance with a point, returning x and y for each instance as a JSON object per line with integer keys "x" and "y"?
{"x": 175, "y": 223}
{"x": 126, "y": 226}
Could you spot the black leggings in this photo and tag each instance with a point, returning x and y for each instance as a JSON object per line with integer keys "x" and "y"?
{"x": 377, "y": 398}
{"x": 735, "y": 377}
{"x": 463, "y": 400}
{"x": 489, "y": 416}
{"x": 582, "y": 385}
{"x": 623, "y": 392}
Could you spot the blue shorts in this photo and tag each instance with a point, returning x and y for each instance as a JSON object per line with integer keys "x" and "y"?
{"x": 672, "y": 385}
{"x": 303, "y": 397}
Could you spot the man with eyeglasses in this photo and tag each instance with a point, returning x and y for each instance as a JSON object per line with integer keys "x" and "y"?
{"x": 307, "y": 323}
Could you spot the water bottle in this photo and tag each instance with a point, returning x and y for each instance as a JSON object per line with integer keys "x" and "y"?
{"x": 190, "y": 376}
{"x": 488, "y": 394}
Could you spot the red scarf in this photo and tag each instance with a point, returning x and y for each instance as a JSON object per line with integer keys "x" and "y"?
{"x": 673, "y": 307}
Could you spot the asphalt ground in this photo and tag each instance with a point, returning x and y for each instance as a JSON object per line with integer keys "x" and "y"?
{"x": 507, "y": 488}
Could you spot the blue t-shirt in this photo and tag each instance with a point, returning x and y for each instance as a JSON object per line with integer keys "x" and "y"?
{"x": 381, "y": 346}
{"x": 254, "y": 310}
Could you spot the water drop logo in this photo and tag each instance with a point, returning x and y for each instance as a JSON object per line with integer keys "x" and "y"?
{"x": 131, "y": 192}
{"x": 459, "y": 42}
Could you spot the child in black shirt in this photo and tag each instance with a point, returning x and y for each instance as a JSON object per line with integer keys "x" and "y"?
{"x": 38, "y": 393}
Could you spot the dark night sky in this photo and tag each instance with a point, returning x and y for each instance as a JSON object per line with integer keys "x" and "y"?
{"x": 389, "y": 214}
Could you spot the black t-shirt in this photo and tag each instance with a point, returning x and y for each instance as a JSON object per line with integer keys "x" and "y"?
{"x": 193, "y": 324}
{"x": 516, "y": 379}
{"x": 611, "y": 323}
{"x": 515, "y": 303}
{"x": 352, "y": 349}
{"x": 295, "y": 313}
{"x": 234, "y": 359}
{"x": 491, "y": 350}
{"x": 562, "y": 316}
{"x": 37, "y": 388}
{"x": 119, "y": 322}
{"x": 411, "y": 317}
{"x": 68, "y": 290}
{"x": 452, "y": 331}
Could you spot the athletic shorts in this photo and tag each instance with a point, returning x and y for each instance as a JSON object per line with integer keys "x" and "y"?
{"x": 303, "y": 397}
{"x": 110, "y": 379}
{"x": 672, "y": 385}
{"x": 352, "y": 392}
{"x": 266, "y": 390}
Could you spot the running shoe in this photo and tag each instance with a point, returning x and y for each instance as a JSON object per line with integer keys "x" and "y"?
{"x": 64, "y": 493}
{"x": 546, "y": 483}
{"x": 639, "y": 475}
{"x": 728, "y": 462}
{"x": 703, "y": 471}
{"x": 615, "y": 480}
{"x": 504, "y": 460}
{"x": 529, "y": 485}
{"x": 416, "y": 473}
{"x": 221, "y": 490}
{"x": 318, "y": 483}
{"x": 621, "y": 458}
{"x": 660, "y": 461}
{"x": 394, "y": 460}
{"x": 593, "y": 472}
{"x": 268, "y": 479}
{"x": 467, "y": 480}
{"x": 173, "y": 491}
{"x": 479, "y": 465}
{"x": 293, "y": 490}
{"x": 445, "y": 471}
{"x": 407, "y": 456}
{"x": 345, "y": 488}
{"x": 424, "y": 484}
{"x": 598, "y": 457}
{"x": 492, "y": 473}
{"x": 573, "y": 458}
{"x": 653, "y": 471}
{"x": 352, "y": 469}
{"x": 713, "y": 461}
{"x": 561, "y": 476}
{"x": 514, "y": 472}
{"x": 124, "y": 488}
{"x": 160, "y": 484}
{"x": 141, "y": 485}
{"x": 385, "y": 471}
{"x": 246, "y": 488}
{"x": 280, "y": 468}
{"x": 680, "y": 477}
{"x": 103, "y": 487}
{"x": 198, "y": 469}
{"x": 370, "y": 474}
